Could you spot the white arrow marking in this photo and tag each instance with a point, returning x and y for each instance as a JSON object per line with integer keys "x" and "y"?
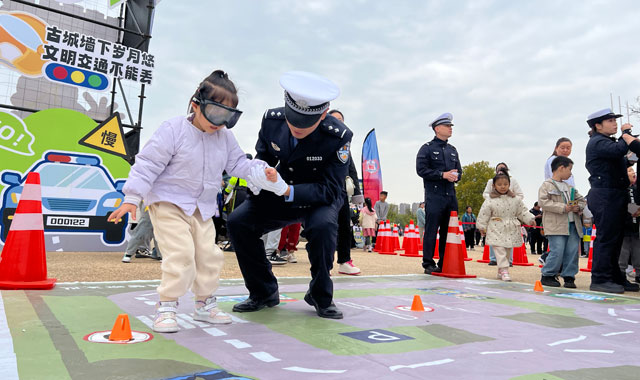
{"x": 594, "y": 351}
{"x": 311, "y": 370}
{"x": 265, "y": 357}
{"x": 417, "y": 365}
{"x": 506, "y": 352}
{"x": 581, "y": 337}
{"x": 237, "y": 343}
{"x": 618, "y": 333}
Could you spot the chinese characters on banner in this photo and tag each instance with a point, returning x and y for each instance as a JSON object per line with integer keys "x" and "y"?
{"x": 97, "y": 55}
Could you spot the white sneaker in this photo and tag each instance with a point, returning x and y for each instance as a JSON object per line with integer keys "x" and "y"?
{"x": 207, "y": 311}
{"x": 348, "y": 268}
{"x": 166, "y": 321}
{"x": 126, "y": 258}
{"x": 504, "y": 275}
{"x": 292, "y": 257}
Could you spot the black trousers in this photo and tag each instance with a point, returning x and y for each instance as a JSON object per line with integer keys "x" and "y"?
{"x": 608, "y": 207}
{"x": 536, "y": 240}
{"x": 345, "y": 233}
{"x": 437, "y": 211}
{"x": 267, "y": 212}
{"x": 469, "y": 238}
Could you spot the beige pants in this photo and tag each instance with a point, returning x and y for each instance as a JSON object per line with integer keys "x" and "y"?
{"x": 502, "y": 254}
{"x": 190, "y": 257}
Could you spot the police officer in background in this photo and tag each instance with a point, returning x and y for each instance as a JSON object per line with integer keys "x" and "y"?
{"x": 438, "y": 164}
{"x": 310, "y": 151}
{"x": 607, "y": 165}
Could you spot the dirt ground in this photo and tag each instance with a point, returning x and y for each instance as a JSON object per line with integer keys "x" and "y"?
{"x": 106, "y": 266}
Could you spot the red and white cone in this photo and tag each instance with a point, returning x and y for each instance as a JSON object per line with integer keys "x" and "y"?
{"x": 453, "y": 258}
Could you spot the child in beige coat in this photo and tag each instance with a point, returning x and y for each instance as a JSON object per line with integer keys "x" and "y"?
{"x": 500, "y": 218}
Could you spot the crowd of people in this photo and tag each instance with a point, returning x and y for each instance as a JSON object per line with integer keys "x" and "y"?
{"x": 303, "y": 179}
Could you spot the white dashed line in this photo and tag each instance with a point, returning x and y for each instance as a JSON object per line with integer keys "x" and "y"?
{"x": 190, "y": 319}
{"x": 417, "y": 365}
{"x": 141, "y": 298}
{"x": 265, "y": 357}
{"x": 593, "y": 351}
{"x": 150, "y": 303}
{"x": 581, "y": 337}
{"x": 238, "y": 343}
{"x": 379, "y": 311}
{"x": 214, "y": 331}
{"x": 237, "y": 320}
{"x": 184, "y": 324}
{"x": 627, "y": 320}
{"x": 618, "y": 333}
{"x": 612, "y": 312}
{"x": 311, "y": 370}
{"x": 146, "y": 320}
{"x": 506, "y": 352}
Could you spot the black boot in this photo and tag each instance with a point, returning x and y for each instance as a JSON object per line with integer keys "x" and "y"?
{"x": 569, "y": 282}
{"x": 550, "y": 281}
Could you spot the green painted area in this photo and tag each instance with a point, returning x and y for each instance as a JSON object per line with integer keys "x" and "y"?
{"x": 552, "y": 320}
{"x": 538, "y": 376}
{"x": 325, "y": 333}
{"x": 83, "y": 315}
{"x": 554, "y": 292}
{"x": 626, "y": 372}
{"x": 537, "y": 307}
{"x": 36, "y": 354}
{"x": 453, "y": 335}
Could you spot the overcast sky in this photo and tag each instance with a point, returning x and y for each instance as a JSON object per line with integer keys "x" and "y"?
{"x": 516, "y": 75}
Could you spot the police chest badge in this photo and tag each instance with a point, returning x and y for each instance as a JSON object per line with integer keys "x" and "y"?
{"x": 275, "y": 147}
{"x": 343, "y": 153}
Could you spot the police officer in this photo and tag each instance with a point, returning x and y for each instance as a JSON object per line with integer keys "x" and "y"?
{"x": 607, "y": 199}
{"x": 310, "y": 151}
{"x": 438, "y": 164}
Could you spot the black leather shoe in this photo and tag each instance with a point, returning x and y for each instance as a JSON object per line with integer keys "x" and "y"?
{"x": 550, "y": 281}
{"x": 254, "y": 304}
{"x": 432, "y": 268}
{"x": 607, "y": 287}
{"x": 493, "y": 263}
{"x": 569, "y": 282}
{"x": 331, "y": 311}
{"x": 630, "y": 286}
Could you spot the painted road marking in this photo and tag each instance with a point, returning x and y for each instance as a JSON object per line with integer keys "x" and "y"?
{"x": 214, "y": 331}
{"x": 238, "y": 343}
{"x": 612, "y": 312}
{"x": 417, "y": 365}
{"x": 378, "y": 310}
{"x": 453, "y": 308}
{"x": 581, "y": 337}
{"x": 146, "y": 320}
{"x": 150, "y": 303}
{"x": 627, "y": 320}
{"x": 141, "y": 298}
{"x": 264, "y": 356}
{"x": 190, "y": 319}
{"x": 618, "y": 333}
{"x": 311, "y": 370}
{"x": 506, "y": 352}
{"x": 55, "y": 239}
{"x": 8, "y": 362}
{"x": 184, "y": 323}
{"x": 593, "y": 351}
{"x": 481, "y": 290}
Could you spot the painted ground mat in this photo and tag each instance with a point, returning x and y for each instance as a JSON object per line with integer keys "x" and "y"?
{"x": 470, "y": 329}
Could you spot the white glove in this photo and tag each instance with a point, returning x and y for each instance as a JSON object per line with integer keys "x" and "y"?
{"x": 259, "y": 179}
{"x": 254, "y": 189}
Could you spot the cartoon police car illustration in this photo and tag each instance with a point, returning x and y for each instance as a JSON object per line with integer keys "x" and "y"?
{"x": 78, "y": 194}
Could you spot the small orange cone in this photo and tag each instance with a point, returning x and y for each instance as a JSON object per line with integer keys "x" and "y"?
{"x": 538, "y": 287}
{"x": 590, "y": 260}
{"x": 485, "y": 255}
{"x": 417, "y": 304}
{"x": 121, "y": 330}
{"x": 453, "y": 255}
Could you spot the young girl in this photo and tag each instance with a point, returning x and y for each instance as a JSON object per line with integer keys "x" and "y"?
{"x": 500, "y": 218}
{"x": 178, "y": 174}
{"x": 368, "y": 219}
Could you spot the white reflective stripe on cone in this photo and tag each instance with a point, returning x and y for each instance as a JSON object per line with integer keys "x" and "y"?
{"x": 31, "y": 192}
{"x": 27, "y": 222}
{"x": 453, "y": 238}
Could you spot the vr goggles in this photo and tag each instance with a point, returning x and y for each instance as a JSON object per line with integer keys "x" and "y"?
{"x": 218, "y": 114}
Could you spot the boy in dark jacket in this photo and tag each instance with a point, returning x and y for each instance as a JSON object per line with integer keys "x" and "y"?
{"x": 630, "y": 252}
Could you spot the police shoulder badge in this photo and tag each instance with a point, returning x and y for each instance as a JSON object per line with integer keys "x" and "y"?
{"x": 275, "y": 147}
{"x": 343, "y": 153}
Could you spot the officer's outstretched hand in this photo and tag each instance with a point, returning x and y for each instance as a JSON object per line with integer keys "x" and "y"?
{"x": 451, "y": 175}
{"x": 117, "y": 215}
{"x": 259, "y": 178}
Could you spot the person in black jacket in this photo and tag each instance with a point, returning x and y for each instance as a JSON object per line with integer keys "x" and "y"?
{"x": 630, "y": 252}
{"x": 607, "y": 165}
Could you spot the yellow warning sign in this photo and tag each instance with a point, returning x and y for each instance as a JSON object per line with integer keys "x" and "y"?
{"x": 108, "y": 137}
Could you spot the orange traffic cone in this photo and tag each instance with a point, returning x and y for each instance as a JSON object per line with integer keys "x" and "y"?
{"x": 463, "y": 243}
{"x": 396, "y": 238}
{"x": 23, "y": 264}
{"x": 520, "y": 256}
{"x": 590, "y": 261}
{"x": 404, "y": 238}
{"x": 538, "y": 287}
{"x": 413, "y": 240}
{"x": 453, "y": 260}
{"x": 417, "y": 304}
{"x": 485, "y": 255}
{"x": 379, "y": 237}
{"x": 388, "y": 244}
{"x": 121, "y": 329}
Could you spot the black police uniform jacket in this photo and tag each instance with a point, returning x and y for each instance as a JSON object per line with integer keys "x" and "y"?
{"x": 435, "y": 158}
{"x": 316, "y": 167}
{"x": 606, "y": 161}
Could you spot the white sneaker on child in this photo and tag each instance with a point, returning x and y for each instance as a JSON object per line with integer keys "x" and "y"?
{"x": 504, "y": 275}
{"x": 208, "y": 311}
{"x": 166, "y": 321}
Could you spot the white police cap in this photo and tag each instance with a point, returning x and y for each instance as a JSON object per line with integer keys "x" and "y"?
{"x": 602, "y": 115}
{"x": 444, "y": 119}
{"x": 306, "y": 96}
